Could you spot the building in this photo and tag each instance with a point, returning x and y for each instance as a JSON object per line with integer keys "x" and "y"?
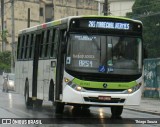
{"x": 20, "y": 18}
{"x": 117, "y": 7}
{"x": 41, "y": 11}
{"x": 120, "y": 7}
{"x": 63, "y": 8}
{"x": 46, "y": 10}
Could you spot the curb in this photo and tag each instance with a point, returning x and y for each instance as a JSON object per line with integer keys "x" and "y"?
{"x": 143, "y": 111}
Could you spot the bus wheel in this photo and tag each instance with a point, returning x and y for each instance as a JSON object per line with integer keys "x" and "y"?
{"x": 38, "y": 103}
{"x": 116, "y": 111}
{"x": 59, "y": 107}
{"x": 85, "y": 106}
{"x": 28, "y": 100}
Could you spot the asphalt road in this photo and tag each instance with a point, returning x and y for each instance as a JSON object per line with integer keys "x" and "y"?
{"x": 12, "y": 106}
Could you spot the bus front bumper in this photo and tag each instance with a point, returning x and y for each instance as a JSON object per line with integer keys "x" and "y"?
{"x": 100, "y": 98}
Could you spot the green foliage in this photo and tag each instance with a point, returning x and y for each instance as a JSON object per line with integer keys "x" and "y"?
{"x": 5, "y": 34}
{"x": 5, "y": 61}
{"x": 148, "y": 12}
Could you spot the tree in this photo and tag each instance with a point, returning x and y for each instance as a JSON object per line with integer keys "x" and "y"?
{"x": 5, "y": 61}
{"x": 148, "y": 12}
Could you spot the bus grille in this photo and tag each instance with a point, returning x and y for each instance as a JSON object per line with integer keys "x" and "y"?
{"x": 104, "y": 90}
{"x": 95, "y": 99}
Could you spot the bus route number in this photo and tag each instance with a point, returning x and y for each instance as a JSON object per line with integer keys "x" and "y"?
{"x": 85, "y": 63}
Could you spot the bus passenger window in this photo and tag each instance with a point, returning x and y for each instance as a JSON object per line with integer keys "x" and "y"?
{"x": 22, "y": 47}
{"x": 46, "y": 44}
{"x": 31, "y": 47}
{"x": 41, "y": 45}
{"x": 26, "y": 47}
{"x": 52, "y": 45}
{"x": 18, "y": 47}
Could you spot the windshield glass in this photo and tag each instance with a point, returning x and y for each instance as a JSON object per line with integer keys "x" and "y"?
{"x": 104, "y": 54}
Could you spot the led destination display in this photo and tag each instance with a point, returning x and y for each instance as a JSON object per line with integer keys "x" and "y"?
{"x": 106, "y": 24}
{"x": 109, "y": 25}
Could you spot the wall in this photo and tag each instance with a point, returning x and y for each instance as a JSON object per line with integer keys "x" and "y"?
{"x": 152, "y": 77}
{"x": 64, "y": 8}
{"x": 20, "y": 16}
{"x": 120, "y": 7}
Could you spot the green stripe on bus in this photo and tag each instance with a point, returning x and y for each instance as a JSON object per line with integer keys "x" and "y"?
{"x": 57, "y": 22}
{"x": 110, "y": 85}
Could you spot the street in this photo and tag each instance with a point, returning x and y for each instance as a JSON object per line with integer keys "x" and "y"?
{"x": 12, "y": 106}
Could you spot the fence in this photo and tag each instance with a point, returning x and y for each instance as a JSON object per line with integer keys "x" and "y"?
{"x": 152, "y": 78}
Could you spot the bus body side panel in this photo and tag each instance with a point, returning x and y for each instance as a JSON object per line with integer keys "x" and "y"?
{"x": 17, "y": 76}
{"x": 46, "y": 80}
{"x": 30, "y": 71}
{"x": 52, "y": 69}
{"x": 40, "y": 79}
{"x": 25, "y": 75}
{"x": 21, "y": 66}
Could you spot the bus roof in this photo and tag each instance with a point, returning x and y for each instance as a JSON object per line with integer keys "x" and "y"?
{"x": 65, "y": 20}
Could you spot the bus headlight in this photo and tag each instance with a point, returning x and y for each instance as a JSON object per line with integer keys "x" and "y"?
{"x": 78, "y": 88}
{"x": 66, "y": 80}
{"x": 135, "y": 88}
{"x": 73, "y": 85}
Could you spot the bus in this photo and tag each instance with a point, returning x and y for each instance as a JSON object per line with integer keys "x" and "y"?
{"x": 81, "y": 61}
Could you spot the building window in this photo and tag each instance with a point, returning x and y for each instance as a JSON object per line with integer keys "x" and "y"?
{"x": 41, "y": 11}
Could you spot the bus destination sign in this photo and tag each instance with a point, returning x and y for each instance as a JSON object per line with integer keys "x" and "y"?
{"x": 108, "y": 25}
{"x": 105, "y": 24}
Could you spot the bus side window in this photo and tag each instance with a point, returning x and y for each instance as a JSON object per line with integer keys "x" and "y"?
{"x": 46, "y": 44}
{"x": 52, "y": 44}
{"x": 22, "y": 47}
{"x": 18, "y": 47}
{"x": 31, "y": 47}
{"x": 26, "y": 47}
{"x": 41, "y": 44}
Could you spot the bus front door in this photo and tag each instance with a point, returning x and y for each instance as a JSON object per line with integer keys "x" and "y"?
{"x": 35, "y": 66}
{"x": 60, "y": 66}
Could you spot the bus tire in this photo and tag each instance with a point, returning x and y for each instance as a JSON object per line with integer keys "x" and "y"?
{"x": 51, "y": 91}
{"x": 59, "y": 107}
{"x": 116, "y": 111}
{"x": 85, "y": 106}
{"x": 37, "y": 103}
{"x": 28, "y": 100}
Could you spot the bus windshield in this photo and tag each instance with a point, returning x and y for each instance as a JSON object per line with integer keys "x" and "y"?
{"x": 104, "y": 54}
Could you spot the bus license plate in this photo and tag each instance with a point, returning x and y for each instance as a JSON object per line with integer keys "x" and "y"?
{"x": 104, "y": 98}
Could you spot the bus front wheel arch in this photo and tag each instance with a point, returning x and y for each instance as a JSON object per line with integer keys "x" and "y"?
{"x": 116, "y": 111}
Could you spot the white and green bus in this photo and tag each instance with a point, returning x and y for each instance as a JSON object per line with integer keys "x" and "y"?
{"x": 81, "y": 61}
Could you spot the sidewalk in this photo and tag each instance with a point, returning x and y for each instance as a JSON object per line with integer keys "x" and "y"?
{"x": 148, "y": 105}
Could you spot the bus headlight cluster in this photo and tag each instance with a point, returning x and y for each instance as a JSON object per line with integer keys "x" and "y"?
{"x": 135, "y": 88}
{"x": 73, "y": 85}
